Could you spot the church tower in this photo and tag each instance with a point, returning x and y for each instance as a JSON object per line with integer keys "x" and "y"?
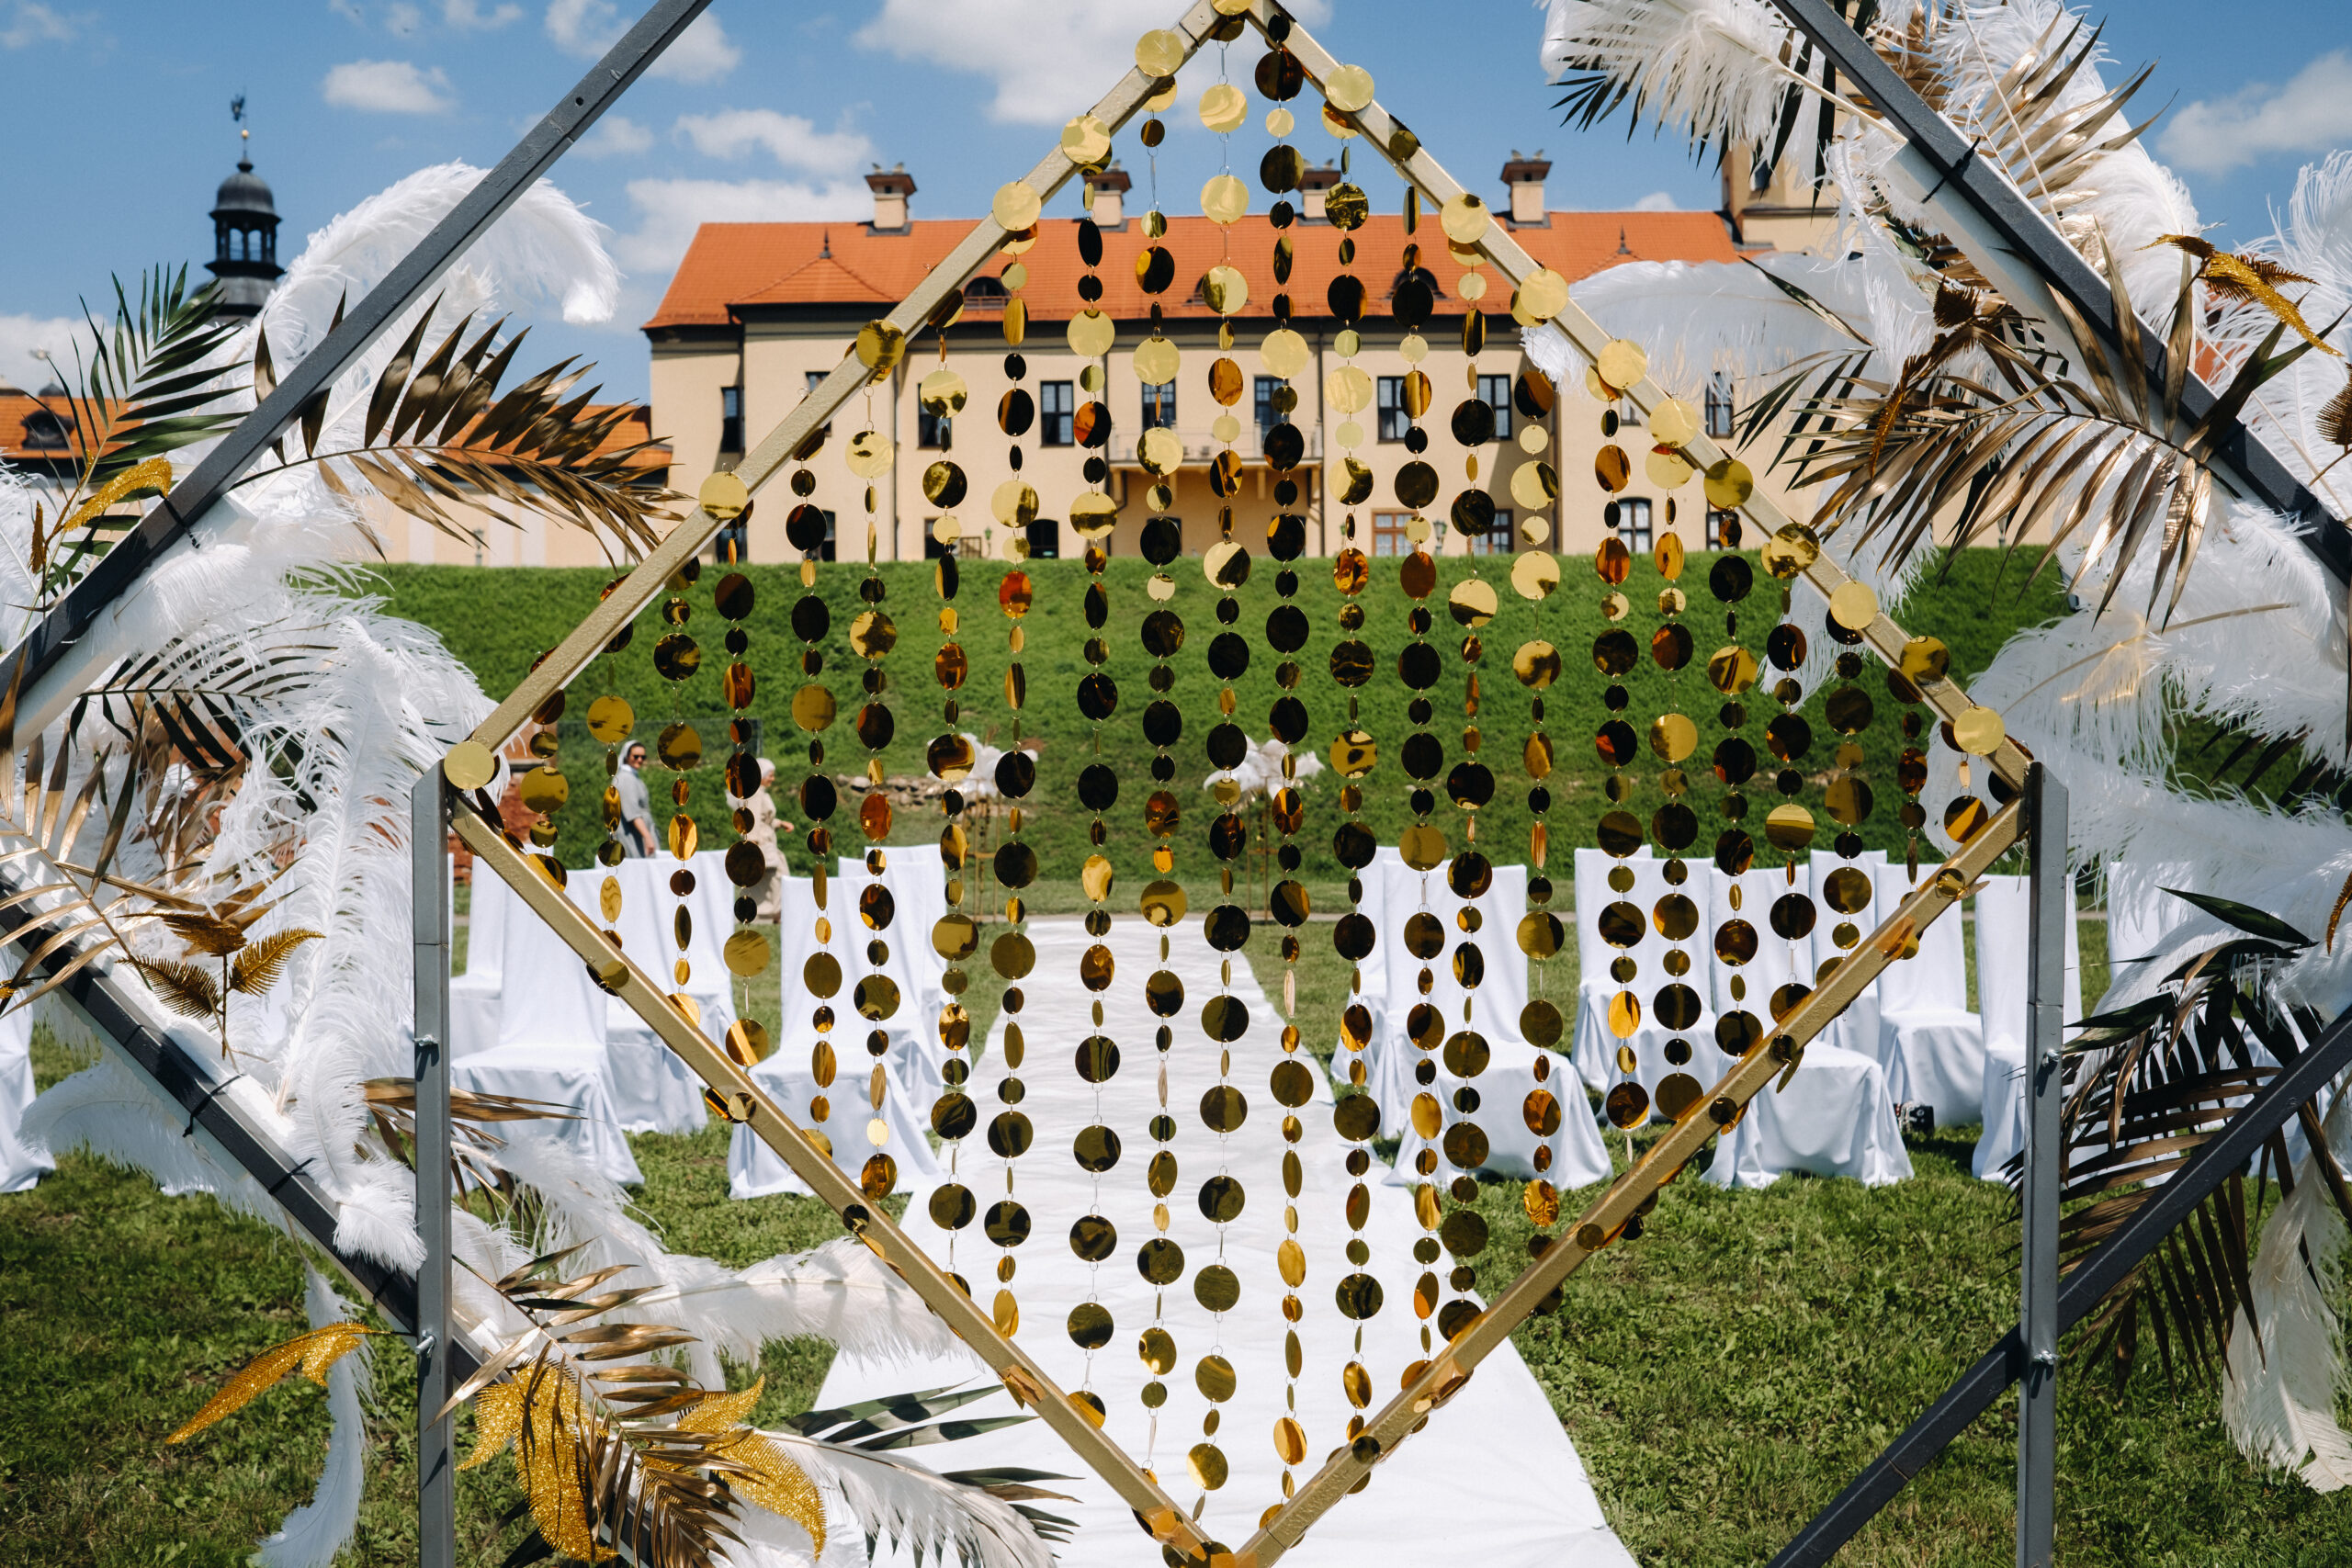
{"x": 245, "y": 239}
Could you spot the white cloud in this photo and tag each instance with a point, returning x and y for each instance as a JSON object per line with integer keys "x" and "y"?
{"x": 19, "y": 335}
{"x": 401, "y": 19}
{"x": 2313, "y": 113}
{"x": 1656, "y": 201}
{"x": 702, "y": 53}
{"x": 668, "y": 211}
{"x": 1048, "y": 58}
{"x": 466, "y": 15}
{"x": 615, "y": 136}
{"x": 348, "y": 11}
{"x": 387, "y": 86}
{"x": 33, "y": 23}
{"x": 789, "y": 139}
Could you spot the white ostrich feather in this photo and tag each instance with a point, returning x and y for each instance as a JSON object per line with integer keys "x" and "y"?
{"x": 2286, "y": 1357}
{"x": 900, "y": 1502}
{"x": 1707, "y": 68}
{"x": 314, "y": 1532}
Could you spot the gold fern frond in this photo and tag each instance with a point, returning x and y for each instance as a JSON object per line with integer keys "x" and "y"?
{"x": 259, "y": 966}
{"x": 189, "y": 989}
{"x": 2335, "y": 416}
{"x": 312, "y": 1354}
{"x": 207, "y": 933}
{"x": 2246, "y": 280}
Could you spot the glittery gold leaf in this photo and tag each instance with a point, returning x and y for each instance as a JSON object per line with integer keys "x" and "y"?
{"x": 2250, "y": 279}
{"x": 312, "y": 1354}
{"x": 718, "y": 1411}
{"x": 779, "y": 1485}
{"x": 498, "y": 1420}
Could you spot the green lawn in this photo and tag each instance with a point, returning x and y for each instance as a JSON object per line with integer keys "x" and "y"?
{"x": 1722, "y": 1377}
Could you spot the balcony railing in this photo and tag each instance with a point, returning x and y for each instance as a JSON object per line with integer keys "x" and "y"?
{"x": 1200, "y": 448}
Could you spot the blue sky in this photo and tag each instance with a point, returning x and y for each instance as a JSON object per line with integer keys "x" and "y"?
{"x": 120, "y": 124}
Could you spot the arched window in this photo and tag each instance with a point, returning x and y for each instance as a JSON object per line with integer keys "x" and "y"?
{"x": 47, "y": 432}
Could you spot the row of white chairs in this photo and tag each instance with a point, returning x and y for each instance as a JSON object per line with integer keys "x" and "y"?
{"x": 1913, "y": 1024}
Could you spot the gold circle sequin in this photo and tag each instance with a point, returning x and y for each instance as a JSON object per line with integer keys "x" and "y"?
{"x": 1853, "y": 605}
{"x": 1225, "y": 200}
{"x": 723, "y": 496}
{"x": 1091, "y": 334}
{"x": 1156, "y": 361}
{"x": 1086, "y": 140}
{"x": 1729, "y": 484}
{"x": 1979, "y": 731}
{"x": 1225, "y": 290}
{"x": 1223, "y": 107}
{"x": 1016, "y": 206}
{"x": 1622, "y": 364}
{"x": 1464, "y": 218}
{"x": 1161, "y": 53}
{"x": 869, "y": 454}
{"x": 1673, "y": 423}
{"x": 469, "y": 764}
{"x": 1285, "y": 353}
{"x": 1348, "y": 88}
{"x": 1543, "y": 296}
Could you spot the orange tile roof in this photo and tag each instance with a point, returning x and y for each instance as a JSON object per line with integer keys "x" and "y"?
{"x": 736, "y": 265}
{"x": 15, "y": 408}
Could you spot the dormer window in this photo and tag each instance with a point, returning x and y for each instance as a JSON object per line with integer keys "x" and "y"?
{"x": 985, "y": 286}
{"x": 47, "y": 432}
{"x": 1421, "y": 276}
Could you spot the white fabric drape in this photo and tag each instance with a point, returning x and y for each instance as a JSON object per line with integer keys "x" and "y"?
{"x": 474, "y": 994}
{"x": 1660, "y": 1051}
{"x": 916, "y": 887}
{"x": 1930, "y": 1044}
{"x": 2004, "y": 935}
{"x": 652, "y": 1090}
{"x": 1856, "y": 1029}
{"x": 1508, "y": 1082}
{"x": 23, "y": 1161}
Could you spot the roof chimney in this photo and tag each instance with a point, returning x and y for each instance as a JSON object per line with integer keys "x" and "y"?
{"x": 1106, "y": 192}
{"x": 1314, "y": 186}
{"x": 1523, "y": 177}
{"x": 891, "y": 188}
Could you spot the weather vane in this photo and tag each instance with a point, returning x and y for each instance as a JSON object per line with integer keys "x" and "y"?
{"x": 237, "y": 114}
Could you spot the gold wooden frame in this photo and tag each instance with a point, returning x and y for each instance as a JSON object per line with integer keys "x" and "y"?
{"x": 1602, "y": 1222}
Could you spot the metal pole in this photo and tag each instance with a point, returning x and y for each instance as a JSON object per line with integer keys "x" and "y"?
{"x": 2052, "y": 902}
{"x": 437, "y": 1481}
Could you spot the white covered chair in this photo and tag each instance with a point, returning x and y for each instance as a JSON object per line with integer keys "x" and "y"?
{"x": 22, "y": 1163}
{"x": 1577, "y": 1156}
{"x": 1377, "y": 968}
{"x": 1591, "y": 1044}
{"x": 652, "y": 1090}
{"x": 1836, "y": 1117}
{"x": 1654, "y": 1044}
{"x": 474, "y": 994}
{"x": 552, "y": 1046}
{"x": 919, "y": 897}
{"x": 1931, "y": 1045}
{"x": 2003, "y": 940}
{"x": 752, "y": 1169}
{"x": 1857, "y": 1027}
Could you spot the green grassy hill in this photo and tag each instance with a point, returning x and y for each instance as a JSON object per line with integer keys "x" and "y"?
{"x": 499, "y": 621}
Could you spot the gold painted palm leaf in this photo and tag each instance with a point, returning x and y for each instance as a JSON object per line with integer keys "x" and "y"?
{"x": 313, "y": 1354}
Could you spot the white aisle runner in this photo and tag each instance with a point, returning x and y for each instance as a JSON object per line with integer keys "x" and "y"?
{"x": 1492, "y": 1481}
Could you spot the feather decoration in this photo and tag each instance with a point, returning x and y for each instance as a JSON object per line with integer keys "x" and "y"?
{"x": 313, "y": 1533}
{"x": 1708, "y": 68}
{"x": 2286, "y": 1352}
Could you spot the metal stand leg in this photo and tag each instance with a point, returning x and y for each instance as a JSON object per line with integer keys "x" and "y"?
{"x": 2052, "y": 899}
{"x": 437, "y": 1495}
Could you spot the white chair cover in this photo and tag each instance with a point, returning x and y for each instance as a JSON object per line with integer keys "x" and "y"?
{"x": 1836, "y": 1117}
{"x": 22, "y": 1163}
{"x": 753, "y": 1171}
{"x": 2003, "y": 904}
{"x": 551, "y": 1044}
{"x": 1931, "y": 1045}
{"x": 560, "y": 1075}
{"x": 652, "y": 1090}
{"x": 1591, "y": 1044}
{"x": 1856, "y": 1029}
{"x": 1577, "y": 1155}
{"x": 1376, "y": 969}
{"x": 918, "y": 891}
{"x": 474, "y": 994}
{"x": 556, "y": 1002}
{"x": 1653, "y": 1045}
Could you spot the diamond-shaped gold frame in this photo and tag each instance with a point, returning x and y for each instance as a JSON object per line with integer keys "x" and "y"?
{"x": 1602, "y": 1222}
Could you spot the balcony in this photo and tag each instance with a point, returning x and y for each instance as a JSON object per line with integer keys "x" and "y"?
{"x": 1200, "y": 448}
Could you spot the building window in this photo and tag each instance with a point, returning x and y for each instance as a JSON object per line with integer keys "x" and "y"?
{"x": 1719, "y": 408}
{"x": 1388, "y": 533}
{"x": 1495, "y": 392}
{"x": 1494, "y": 541}
{"x": 1159, "y": 407}
{"x": 1045, "y": 539}
{"x": 972, "y": 547}
{"x": 1631, "y": 520}
{"x": 817, "y": 380}
{"x": 985, "y": 287}
{"x": 1055, "y": 407}
{"x": 933, "y": 430}
{"x": 1722, "y": 529}
{"x": 1394, "y": 421}
{"x": 1263, "y": 398}
{"x": 730, "y": 419}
